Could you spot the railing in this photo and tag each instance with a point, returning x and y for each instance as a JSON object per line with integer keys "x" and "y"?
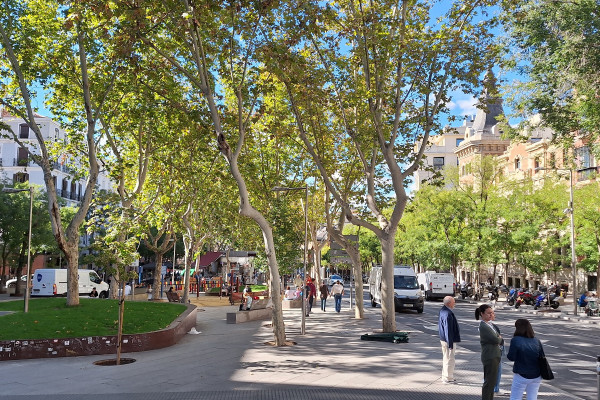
{"x": 21, "y": 162}
{"x": 586, "y": 174}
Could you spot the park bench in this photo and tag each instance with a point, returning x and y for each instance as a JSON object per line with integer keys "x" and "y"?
{"x": 258, "y": 311}
{"x": 289, "y": 304}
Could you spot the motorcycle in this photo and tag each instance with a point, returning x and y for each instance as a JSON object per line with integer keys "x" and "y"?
{"x": 468, "y": 291}
{"x": 525, "y": 297}
{"x": 493, "y": 293}
{"x": 511, "y": 296}
{"x": 543, "y": 300}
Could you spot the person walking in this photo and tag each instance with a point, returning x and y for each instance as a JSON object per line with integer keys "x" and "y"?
{"x": 311, "y": 293}
{"x": 449, "y": 336}
{"x": 525, "y": 350}
{"x": 491, "y": 342}
{"x": 338, "y": 291}
{"x": 324, "y": 293}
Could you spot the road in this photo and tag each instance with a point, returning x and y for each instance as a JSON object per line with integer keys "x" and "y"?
{"x": 571, "y": 347}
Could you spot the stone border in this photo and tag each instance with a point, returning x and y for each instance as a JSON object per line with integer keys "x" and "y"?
{"x": 95, "y": 345}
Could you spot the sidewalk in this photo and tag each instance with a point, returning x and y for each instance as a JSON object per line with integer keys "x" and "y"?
{"x": 227, "y": 361}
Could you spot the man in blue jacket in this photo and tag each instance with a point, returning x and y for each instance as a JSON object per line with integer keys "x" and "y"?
{"x": 449, "y": 336}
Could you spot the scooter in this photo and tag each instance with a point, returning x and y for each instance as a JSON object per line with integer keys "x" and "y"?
{"x": 493, "y": 293}
{"x": 542, "y": 301}
{"x": 468, "y": 291}
{"x": 511, "y": 296}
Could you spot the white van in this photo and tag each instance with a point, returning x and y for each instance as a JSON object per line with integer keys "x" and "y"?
{"x": 437, "y": 285}
{"x": 407, "y": 293}
{"x": 53, "y": 282}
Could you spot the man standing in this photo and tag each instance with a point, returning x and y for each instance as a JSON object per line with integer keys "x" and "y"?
{"x": 338, "y": 291}
{"x": 449, "y": 335}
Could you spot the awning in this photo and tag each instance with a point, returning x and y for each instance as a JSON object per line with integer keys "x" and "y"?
{"x": 209, "y": 258}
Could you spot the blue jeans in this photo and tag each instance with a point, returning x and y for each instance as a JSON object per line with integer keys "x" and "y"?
{"x": 338, "y": 302}
{"x": 323, "y": 304}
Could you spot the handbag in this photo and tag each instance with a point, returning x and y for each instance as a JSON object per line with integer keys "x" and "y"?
{"x": 545, "y": 369}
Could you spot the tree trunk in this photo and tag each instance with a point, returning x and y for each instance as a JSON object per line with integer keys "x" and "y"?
{"x": 388, "y": 311}
{"x": 359, "y": 311}
{"x": 120, "y": 324}
{"x": 72, "y": 256}
{"x": 187, "y": 243}
{"x": 157, "y": 277}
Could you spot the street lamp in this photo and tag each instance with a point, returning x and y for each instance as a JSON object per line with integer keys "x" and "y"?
{"x": 305, "y": 188}
{"x": 28, "y": 281}
{"x": 570, "y": 210}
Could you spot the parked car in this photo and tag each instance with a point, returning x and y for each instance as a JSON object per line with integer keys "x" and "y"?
{"x": 335, "y": 278}
{"x": 12, "y": 282}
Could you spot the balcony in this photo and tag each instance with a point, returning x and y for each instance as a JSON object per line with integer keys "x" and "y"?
{"x": 586, "y": 174}
{"x": 21, "y": 162}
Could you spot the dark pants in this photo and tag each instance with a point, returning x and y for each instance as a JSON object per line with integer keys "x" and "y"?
{"x": 323, "y": 303}
{"x": 310, "y": 303}
{"x": 490, "y": 377}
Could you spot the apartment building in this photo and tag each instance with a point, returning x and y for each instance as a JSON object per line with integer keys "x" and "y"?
{"x": 16, "y": 166}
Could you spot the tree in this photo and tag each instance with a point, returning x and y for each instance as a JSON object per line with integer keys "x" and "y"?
{"x": 83, "y": 61}
{"x": 436, "y": 229}
{"x": 385, "y": 71}
{"x": 587, "y": 218}
{"x": 554, "y": 44}
{"x": 14, "y": 230}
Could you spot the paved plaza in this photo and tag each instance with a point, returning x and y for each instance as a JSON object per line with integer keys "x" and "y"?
{"x": 226, "y": 361}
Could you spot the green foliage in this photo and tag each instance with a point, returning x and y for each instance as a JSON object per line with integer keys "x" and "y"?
{"x": 554, "y": 44}
{"x": 51, "y": 318}
{"x": 288, "y": 231}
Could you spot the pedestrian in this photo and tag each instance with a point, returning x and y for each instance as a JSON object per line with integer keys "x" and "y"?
{"x": 311, "y": 293}
{"x": 298, "y": 281}
{"x": 525, "y": 350}
{"x": 247, "y": 297}
{"x": 324, "y": 293}
{"x": 338, "y": 291}
{"x": 491, "y": 353}
{"x": 449, "y": 336}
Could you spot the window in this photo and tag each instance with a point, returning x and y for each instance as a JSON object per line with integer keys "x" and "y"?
{"x": 536, "y": 162}
{"x": 517, "y": 164}
{"x": 438, "y": 163}
{"x": 552, "y": 160}
{"x": 23, "y": 131}
{"x": 584, "y": 157}
{"x": 56, "y": 134}
{"x": 20, "y": 177}
{"x": 22, "y": 157}
{"x": 458, "y": 142}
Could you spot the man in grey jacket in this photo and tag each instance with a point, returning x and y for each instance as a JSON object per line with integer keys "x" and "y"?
{"x": 449, "y": 336}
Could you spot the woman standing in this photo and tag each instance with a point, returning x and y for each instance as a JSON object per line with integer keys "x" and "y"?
{"x": 525, "y": 350}
{"x": 491, "y": 342}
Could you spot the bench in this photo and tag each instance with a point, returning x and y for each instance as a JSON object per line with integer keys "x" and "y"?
{"x": 173, "y": 297}
{"x": 258, "y": 311}
{"x": 289, "y": 304}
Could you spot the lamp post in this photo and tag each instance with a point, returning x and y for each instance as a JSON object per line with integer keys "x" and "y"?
{"x": 28, "y": 281}
{"x": 570, "y": 210}
{"x": 305, "y": 188}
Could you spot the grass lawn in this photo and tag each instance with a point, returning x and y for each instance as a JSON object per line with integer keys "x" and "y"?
{"x": 50, "y": 318}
